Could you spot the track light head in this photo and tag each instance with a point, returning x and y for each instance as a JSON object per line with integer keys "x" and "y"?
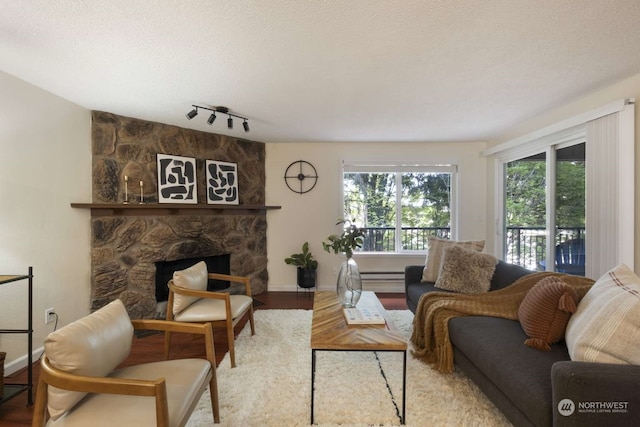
{"x": 245, "y": 125}
{"x": 191, "y": 114}
{"x": 230, "y": 123}
{"x": 212, "y": 118}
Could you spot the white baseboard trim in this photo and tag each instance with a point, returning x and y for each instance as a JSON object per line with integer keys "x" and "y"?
{"x": 21, "y": 362}
{"x": 384, "y": 287}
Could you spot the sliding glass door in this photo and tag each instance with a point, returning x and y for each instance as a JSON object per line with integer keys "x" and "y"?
{"x": 544, "y": 210}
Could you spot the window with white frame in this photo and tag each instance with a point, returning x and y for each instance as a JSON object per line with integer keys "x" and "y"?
{"x": 399, "y": 206}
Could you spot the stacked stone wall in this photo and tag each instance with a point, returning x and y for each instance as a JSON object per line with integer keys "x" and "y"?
{"x": 124, "y": 249}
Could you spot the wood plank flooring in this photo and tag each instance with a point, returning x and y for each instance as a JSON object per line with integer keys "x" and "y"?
{"x": 150, "y": 348}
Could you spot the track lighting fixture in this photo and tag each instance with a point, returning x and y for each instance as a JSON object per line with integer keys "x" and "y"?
{"x": 191, "y": 114}
{"x": 212, "y": 118}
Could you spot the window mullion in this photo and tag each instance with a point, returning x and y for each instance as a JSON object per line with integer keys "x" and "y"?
{"x": 398, "y": 233}
{"x": 550, "y": 224}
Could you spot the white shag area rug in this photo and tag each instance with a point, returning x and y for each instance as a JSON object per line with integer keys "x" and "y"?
{"x": 271, "y": 383}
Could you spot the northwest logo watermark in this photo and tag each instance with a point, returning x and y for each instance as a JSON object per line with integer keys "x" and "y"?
{"x": 567, "y": 407}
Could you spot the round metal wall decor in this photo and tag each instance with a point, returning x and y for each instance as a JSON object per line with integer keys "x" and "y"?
{"x": 301, "y": 176}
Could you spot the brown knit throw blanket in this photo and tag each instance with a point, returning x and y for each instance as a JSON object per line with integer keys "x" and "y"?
{"x": 430, "y": 337}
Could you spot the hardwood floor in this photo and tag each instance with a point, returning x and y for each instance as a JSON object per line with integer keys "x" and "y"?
{"x": 150, "y": 347}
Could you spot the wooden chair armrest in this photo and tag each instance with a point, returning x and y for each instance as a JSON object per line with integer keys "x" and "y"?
{"x": 204, "y": 329}
{"x": 190, "y": 328}
{"x": 68, "y": 381}
{"x": 196, "y": 293}
{"x": 210, "y": 294}
{"x": 236, "y": 279}
{"x": 227, "y": 277}
{"x": 167, "y": 325}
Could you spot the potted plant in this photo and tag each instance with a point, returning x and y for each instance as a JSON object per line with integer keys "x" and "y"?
{"x": 349, "y": 285}
{"x": 350, "y": 239}
{"x": 307, "y": 266}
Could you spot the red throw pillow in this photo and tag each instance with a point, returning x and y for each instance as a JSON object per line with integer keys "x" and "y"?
{"x": 545, "y": 312}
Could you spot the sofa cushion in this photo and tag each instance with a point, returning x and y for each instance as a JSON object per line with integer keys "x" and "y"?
{"x": 415, "y": 291}
{"x": 92, "y": 346}
{"x": 194, "y": 277}
{"x": 606, "y": 326}
{"x": 211, "y": 310}
{"x": 435, "y": 251}
{"x": 545, "y": 311}
{"x": 506, "y": 274}
{"x": 494, "y": 345}
{"x": 465, "y": 270}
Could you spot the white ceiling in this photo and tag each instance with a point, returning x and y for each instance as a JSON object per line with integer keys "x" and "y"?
{"x": 323, "y": 70}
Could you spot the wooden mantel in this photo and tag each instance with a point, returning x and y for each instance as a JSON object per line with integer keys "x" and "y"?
{"x": 155, "y": 209}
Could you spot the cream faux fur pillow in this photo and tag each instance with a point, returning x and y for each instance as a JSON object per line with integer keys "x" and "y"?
{"x": 435, "y": 252}
{"x": 466, "y": 270}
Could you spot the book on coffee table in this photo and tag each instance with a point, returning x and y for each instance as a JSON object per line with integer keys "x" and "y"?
{"x": 363, "y": 316}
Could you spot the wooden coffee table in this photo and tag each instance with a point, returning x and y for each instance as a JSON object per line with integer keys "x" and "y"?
{"x": 330, "y": 332}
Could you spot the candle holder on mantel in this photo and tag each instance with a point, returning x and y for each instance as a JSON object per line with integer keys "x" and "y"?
{"x": 126, "y": 190}
{"x": 141, "y": 193}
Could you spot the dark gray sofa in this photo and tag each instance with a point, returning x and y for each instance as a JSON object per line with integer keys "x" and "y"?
{"x": 528, "y": 384}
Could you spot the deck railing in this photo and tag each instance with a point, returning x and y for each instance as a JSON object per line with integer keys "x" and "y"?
{"x": 525, "y": 246}
{"x": 383, "y": 239}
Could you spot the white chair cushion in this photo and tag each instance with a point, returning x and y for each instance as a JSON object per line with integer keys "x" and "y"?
{"x": 186, "y": 379}
{"x": 209, "y": 310}
{"x": 93, "y": 346}
{"x": 194, "y": 277}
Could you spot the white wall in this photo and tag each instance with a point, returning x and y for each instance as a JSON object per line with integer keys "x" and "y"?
{"x": 312, "y": 216}
{"x": 45, "y": 164}
{"x": 627, "y": 88}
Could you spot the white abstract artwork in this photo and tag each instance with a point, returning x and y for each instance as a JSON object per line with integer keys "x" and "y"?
{"x": 177, "y": 179}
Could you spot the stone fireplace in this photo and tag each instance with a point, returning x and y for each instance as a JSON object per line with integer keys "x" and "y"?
{"x": 126, "y": 247}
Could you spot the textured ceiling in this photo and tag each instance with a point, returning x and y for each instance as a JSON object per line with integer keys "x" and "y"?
{"x": 303, "y": 70}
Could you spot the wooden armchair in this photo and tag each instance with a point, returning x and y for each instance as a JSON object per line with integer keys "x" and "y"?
{"x": 79, "y": 384}
{"x": 189, "y": 301}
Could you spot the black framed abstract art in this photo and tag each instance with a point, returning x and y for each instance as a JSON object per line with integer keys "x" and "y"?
{"x": 222, "y": 182}
{"x": 177, "y": 179}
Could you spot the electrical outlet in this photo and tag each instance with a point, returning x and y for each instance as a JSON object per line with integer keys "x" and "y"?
{"x": 49, "y": 315}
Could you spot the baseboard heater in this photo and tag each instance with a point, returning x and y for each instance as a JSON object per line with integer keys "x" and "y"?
{"x": 382, "y": 276}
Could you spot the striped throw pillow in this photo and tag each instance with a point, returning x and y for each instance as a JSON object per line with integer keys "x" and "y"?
{"x": 606, "y": 326}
